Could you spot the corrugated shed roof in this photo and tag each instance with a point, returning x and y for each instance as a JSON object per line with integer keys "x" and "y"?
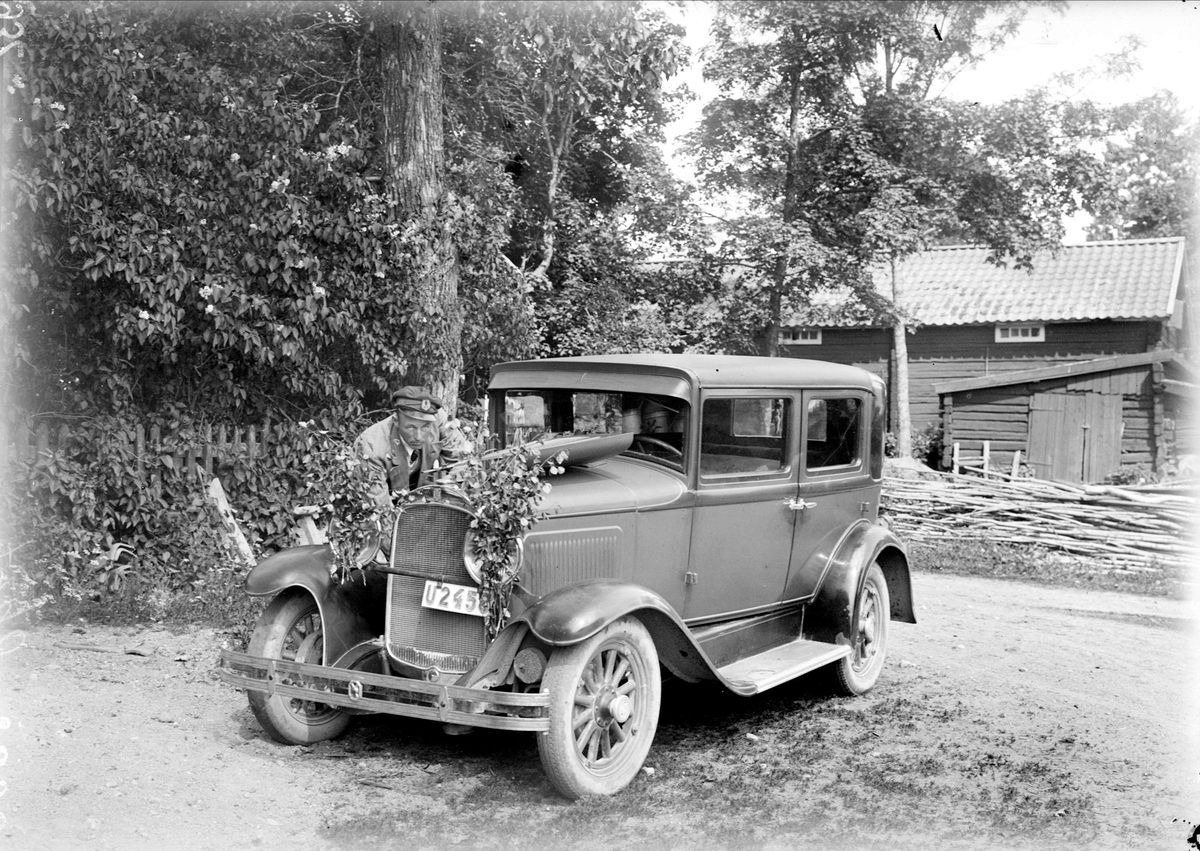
{"x": 1121, "y": 279}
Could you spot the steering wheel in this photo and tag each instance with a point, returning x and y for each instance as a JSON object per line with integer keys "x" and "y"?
{"x": 662, "y": 444}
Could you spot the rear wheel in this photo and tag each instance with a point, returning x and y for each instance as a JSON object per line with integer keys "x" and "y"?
{"x": 290, "y": 629}
{"x": 604, "y": 701}
{"x": 856, "y": 674}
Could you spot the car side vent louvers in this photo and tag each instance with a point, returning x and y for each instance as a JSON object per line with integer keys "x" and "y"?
{"x": 555, "y": 559}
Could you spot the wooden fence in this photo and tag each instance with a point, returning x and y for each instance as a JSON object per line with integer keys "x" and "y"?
{"x": 1134, "y": 528}
{"x": 198, "y": 453}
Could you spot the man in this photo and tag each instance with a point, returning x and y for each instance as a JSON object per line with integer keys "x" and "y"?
{"x": 403, "y": 450}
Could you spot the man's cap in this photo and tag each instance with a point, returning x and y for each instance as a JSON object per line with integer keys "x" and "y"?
{"x": 416, "y": 402}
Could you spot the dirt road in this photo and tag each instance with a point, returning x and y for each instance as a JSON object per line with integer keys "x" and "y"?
{"x": 1012, "y": 715}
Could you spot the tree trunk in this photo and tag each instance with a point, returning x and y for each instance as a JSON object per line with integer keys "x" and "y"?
{"x": 414, "y": 160}
{"x": 556, "y": 151}
{"x": 768, "y": 342}
{"x": 900, "y": 350}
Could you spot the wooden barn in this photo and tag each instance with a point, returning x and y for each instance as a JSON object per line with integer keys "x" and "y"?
{"x": 1076, "y": 422}
{"x": 1080, "y": 365}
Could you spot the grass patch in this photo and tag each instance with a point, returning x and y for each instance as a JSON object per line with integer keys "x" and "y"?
{"x": 1037, "y": 564}
{"x": 796, "y": 767}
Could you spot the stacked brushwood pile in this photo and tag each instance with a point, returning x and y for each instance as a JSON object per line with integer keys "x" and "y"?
{"x": 1138, "y": 528}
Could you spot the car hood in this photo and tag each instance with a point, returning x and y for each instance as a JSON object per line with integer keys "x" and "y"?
{"x": 615, "y": 484}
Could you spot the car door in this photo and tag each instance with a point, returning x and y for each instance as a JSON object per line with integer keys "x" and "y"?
{"x": 835, "y": 488}
{"x": 742, "y": 526}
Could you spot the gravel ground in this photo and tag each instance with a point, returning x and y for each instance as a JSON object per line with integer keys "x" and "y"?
{"x": 1001, "y": 686}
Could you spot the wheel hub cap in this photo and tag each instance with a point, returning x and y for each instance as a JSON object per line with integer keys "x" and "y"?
{"x": 620, "y": 708}
{"x": 612, "y": 708}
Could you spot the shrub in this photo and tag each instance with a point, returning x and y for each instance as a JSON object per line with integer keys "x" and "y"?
{"x": 94, "y": 525}
{"x": 926, "y": 445}
{"x": 1133, "y": 474}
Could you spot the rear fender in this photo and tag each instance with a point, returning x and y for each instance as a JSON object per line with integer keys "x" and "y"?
{"x": 831, "y": 615}
{"x": 577, "y": 612}
{"x": 351, "y": 611}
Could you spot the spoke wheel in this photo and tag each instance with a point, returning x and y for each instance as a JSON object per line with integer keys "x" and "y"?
{"x": 290, "y": 629}
{"x": 858, "y": 672}
{"x": 604, "y": 699}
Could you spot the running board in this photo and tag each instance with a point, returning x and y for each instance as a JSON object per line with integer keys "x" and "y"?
{"x": 776, "y": 666}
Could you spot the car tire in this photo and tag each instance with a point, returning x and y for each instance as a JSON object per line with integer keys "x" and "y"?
{"x": 290, "y": 628}
{"x": 857, "y": 673}
{"x": 605, "y": 694}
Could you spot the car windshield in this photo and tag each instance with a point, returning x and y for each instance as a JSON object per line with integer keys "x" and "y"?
{"x": 659, "y": 423}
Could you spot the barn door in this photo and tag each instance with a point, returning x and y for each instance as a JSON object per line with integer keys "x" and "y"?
{"x": 1074, "y": 437}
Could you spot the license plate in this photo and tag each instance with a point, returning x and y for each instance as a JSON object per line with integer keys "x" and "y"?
{"x": 447, "y": 597}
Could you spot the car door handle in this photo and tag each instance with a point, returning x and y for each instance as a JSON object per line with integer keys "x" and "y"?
{"x": 800, "y": 504}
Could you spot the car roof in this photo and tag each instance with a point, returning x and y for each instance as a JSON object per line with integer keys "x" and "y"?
{"x": 708, "y": 371}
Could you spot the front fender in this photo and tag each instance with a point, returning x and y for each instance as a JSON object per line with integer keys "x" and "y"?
{"x": 308, "y": 567}
{"x": 572, "y": 614}
{"x": 577, "y": 612}
{"x": 351, "y": 611}
{"x": 831, "y": 615}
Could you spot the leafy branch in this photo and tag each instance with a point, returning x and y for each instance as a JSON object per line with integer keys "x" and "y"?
{"x": 506, "y": 488}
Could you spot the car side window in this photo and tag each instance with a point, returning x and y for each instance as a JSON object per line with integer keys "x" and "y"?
{"x": 744, "y": 436}
{"x": 834, "y": 429}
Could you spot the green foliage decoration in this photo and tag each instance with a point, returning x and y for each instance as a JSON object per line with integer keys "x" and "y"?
{"x": 506, "y": 489}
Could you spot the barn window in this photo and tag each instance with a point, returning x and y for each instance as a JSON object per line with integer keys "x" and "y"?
{"x": 800, "y": 336}
{"x": 1020, "y": 333}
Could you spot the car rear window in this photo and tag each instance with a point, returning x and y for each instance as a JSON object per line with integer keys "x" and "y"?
{"x": 834, "y": 427}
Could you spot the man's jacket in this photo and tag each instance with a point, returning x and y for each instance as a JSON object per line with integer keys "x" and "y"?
{"x": 393, "y": 465}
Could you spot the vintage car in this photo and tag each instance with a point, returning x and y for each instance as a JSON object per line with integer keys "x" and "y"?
{"x": 717, "y": 520}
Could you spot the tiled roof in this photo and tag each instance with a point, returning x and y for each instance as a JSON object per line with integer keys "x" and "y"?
{"x": 1124, "y": 279}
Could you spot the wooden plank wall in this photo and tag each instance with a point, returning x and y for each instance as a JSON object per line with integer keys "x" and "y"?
{"x": 939, "y": 353}
{"x": 1137, "y": 435}
{"x": 1000, "y": 415}
{"x": 1182, "y": 431}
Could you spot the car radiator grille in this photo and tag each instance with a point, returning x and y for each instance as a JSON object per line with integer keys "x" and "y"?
{"x": 427, "y": 543}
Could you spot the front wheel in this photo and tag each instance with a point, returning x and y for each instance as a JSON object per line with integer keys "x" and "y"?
{"x": 290, "y": 628}
{"x": 604, "y": 699}
{"x": 856, "y": 674}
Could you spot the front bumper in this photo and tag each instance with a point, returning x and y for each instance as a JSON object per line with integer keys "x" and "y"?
{"x": 474, "y": 707}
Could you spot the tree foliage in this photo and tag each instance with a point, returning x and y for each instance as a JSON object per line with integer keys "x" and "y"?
{"x": 831, "y": 126}
{"x": 1154, "y": 152}
{"x": 571, "y": 99}
{"x": 575, "y": 93}
{"x": 199, "y": 216}
{"x": 181, "y": 234}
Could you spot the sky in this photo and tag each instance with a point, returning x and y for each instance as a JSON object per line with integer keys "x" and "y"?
{"x": 1047, "y": 44}
{"x": 1050, "y": 43}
